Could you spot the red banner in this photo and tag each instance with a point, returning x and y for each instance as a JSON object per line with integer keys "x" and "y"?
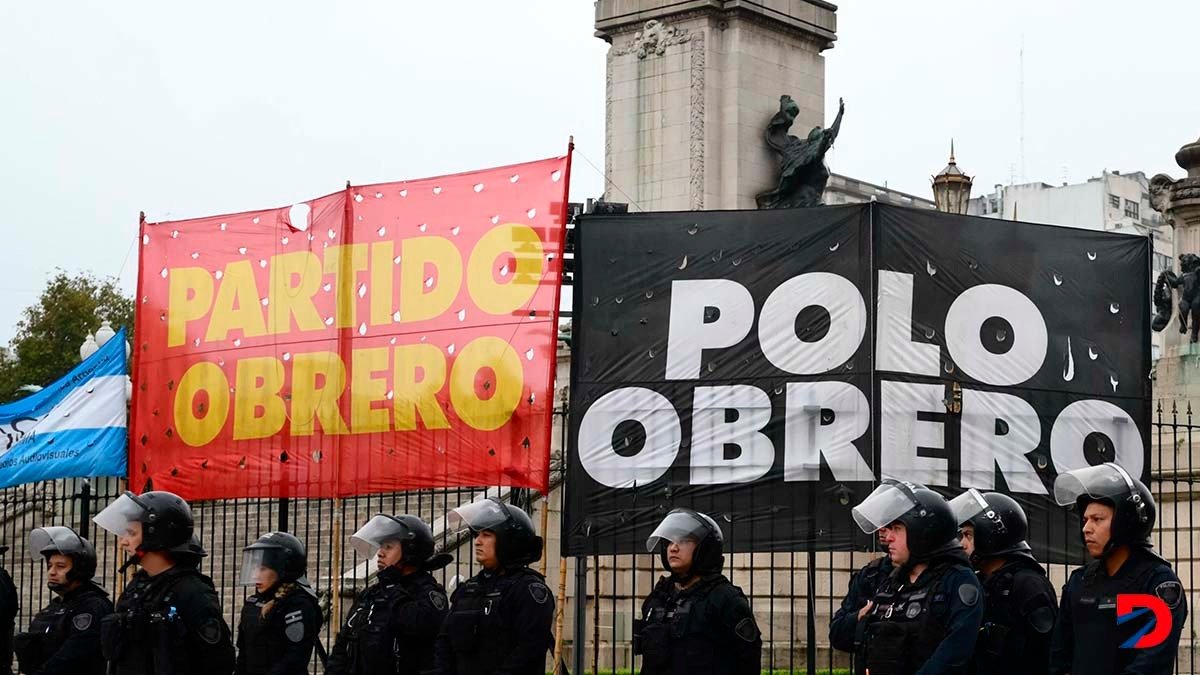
{"x": 388, "y": 337}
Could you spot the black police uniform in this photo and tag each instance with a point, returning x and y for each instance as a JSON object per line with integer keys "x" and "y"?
{"x": 843, "y": 628}
{"x": 168, "y": 624}
{"x": 1087, "y": 639}
{"x": 9, "y": 604}
{"x": 928, "y": 626}
{"x": 392, "y": 626}
{"x": 1018, "y": 618}
{"x": 281, "y": 642}
{"x": 64, "y": 637}
{"x": 706, "y": 628}
{"x": 499, "y": 623}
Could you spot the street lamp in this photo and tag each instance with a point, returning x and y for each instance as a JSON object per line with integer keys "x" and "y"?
{"x": 952, "y": 187}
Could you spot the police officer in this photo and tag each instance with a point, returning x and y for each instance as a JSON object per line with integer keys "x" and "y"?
{"x": 695, "y": 621}
{"x": 281, "y": 620}
{"x": 395, "y": 621}
{"x": 925, "y": 615}
{"x": 1117, "y": 514}
{"x": 1019, "y": 602}
{"x": 843, "y": 628}
{"x": 9, "y": 603}
{"x": 168, "y": 620}
{"x": 499, "y": 620}
{"x": 64, "y": 637}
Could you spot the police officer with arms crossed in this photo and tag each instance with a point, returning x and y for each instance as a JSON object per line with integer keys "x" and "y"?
{"x": 394, "y": 621}
{"x": 925, "y": 616}
{"x": 1019, "y": 601}
{"x": 843, "y": 628}
{"x": 64, "y": 638}
{"x": 499, "y": 622}
{"x": 695, "y": 621}
{"x": 168, "y": 620}
{"x": 280, "y": 621}
{"x": 1117, "y": 515}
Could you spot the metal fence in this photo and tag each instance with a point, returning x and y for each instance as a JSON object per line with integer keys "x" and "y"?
{"x": 793, "y": 594}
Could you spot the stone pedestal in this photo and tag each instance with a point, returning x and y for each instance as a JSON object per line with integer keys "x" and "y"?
{"x": 691, "y": 86}
{"x": 1177, "y": 374}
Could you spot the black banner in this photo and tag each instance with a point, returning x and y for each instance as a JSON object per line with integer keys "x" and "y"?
{"x": 767, "y": 367}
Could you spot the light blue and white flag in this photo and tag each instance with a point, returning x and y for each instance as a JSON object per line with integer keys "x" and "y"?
{"x": 73, "y": 428}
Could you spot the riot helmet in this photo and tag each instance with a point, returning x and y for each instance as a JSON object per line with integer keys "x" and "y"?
{"x": 516, "y": 541}
{"x": 1110, "y": 484}
{"x": 278, "y": 551}
{"x": 190, "y": 553}
{"x": 1000, "y": 528}
{"x": 166, "y": 519}
{"x": 47, "y": 541}
{"x": 929, "y": 521}
{"x": 684, "y": 525}
{"x": 413, "y": 534}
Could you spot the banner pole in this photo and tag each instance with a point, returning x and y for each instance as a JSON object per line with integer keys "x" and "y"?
{"x": 545, "y": 537}
{"x": 335, "y": 586}
{"x": 578, "y": 635}
{"x": 559, "y": 615}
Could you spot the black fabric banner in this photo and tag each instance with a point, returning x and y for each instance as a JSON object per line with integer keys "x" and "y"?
{"x": 767, "y": 367}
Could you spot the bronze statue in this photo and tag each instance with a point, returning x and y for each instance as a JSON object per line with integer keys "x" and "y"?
{"x": 1189, "y": 296}
{"x": 802, "y": 171}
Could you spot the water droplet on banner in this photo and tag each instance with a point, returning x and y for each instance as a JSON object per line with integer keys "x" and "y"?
{"x": 422, "y": 227}
{"x": 1001, "y": 335}
{"x": 437, "y": 190}
{"x": 455, "y": 230}
{"x": 164, "y": 273}
{"x": 428, "y": 282}
{"x": 223, "y": 226}
{"x": 327, "y": 287}
{"x": 532, "y": 213}
{"x": 683, "y": 263}
{"x": 404, "y": 193}
{"x": 362, "y": 290}
{"x": 396, "y": 260}
{"x": 478, "y": 187}
{"x": 195, "y": 343}
{"x": 396, "y": 316}
{"x": 145, "y": 239}
{"x": 649, "y": 294}
{"x": 1113, "y": 381}
{"x": 331, "y": 233}
{"x": 287, "y": 356}
{"x": 265, "y": 301}
{"x": 237, "y": 342}
{"x": 495, "y": 219}
{"x": 1069, "y": 364}
{"x": 835, "y": 247}
{"x": 358, "y": 198}
{"x": 462, "y": 314}
{"x": 930, "y": 268}
{"x": 514, "y": 178}
{"x": 284, "y": 241}
{"x": 693, "y": 229}
{"x": 1057, "y": 279}
{"x": 362, "y": 328}
{"x": 1091, "y": 255}
{"x": 1092, "y": 353}
{"x": 504, "y": 270}
{"x": 242, "y": 250}
{"x": 619, "y": 299}
{"x": 450, "y": 349}
{"x": 949, "y": 367}
{"x": 174, "y": 234}
{"x": 595, "y": 300}
{"x": 929, "y": 333}
{"x": 378, "y": 195}
{"x": 329, "y": 321}
{"x": 529, "y": 354}
{"x": 555, "y": 175}
{"x": 381, "y": 231}
{"x": 718, "y": 255}
{"x": 255, "y": 220}
{"x": 650, "y": 353}
{"x": 262, "y": 262}
{"x": 1114, "y": 307}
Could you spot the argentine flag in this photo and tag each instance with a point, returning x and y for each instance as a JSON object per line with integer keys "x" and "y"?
{"x": 73, "y": 428}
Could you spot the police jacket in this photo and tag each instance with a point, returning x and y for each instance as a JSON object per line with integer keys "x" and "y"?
{"x": 9, "y": 604}
{"x": 499, "y": 624}
{"x": 925, "y": 627}
{"x": 277, "y": 631}
{"x": 391, "y": 627}
{"x": 1018, "y": 618}
{"x": 704, "y": 629}
{"x": 64, "y": 637}
{"x": 863, "y": 585}
{"x": 167, "y": 624}
{"x": 1087, "y": 639}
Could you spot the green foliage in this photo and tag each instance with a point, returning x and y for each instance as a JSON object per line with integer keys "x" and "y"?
{"x": 48, "y": 337}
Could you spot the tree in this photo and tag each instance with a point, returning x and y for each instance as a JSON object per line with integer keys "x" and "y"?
{"x": 46, "y": 345}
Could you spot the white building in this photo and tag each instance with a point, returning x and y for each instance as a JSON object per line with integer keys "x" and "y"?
{"x": 1110, "y": 202}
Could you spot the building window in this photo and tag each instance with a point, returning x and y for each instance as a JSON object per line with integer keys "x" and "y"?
{"x": 1114, "y": 201}
{"x": 1161, "y": 262}
{"x": 1131, "y": 209}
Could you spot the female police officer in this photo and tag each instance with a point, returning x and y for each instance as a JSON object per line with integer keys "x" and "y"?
{"x": 695, "y": 621}
{"x": 280, "y": 621}
{"x": 392, "y": 626}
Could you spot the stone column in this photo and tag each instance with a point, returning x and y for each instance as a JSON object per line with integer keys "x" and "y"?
{"x": 690, "y": 87}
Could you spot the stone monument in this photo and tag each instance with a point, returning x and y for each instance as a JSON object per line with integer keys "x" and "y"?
{"x": 802, "y": 171}
{"x": 690, "y": 85}
{"x": 1177, "y": 375}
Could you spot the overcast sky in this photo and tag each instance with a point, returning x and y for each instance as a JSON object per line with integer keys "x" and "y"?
{"x": 111, "y": 108}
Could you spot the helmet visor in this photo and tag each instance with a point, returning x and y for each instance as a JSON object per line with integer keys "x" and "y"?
{"x": 117, "y": 517}
{"x": 54, "y": 539}
{"x": 485, "y": 514}
{"x": 1099, "y": 482}
{"x": 681, "y": 526}
{"x": 967, "y": 505}
{"x": 882, "y": 507}
{"x": 254, "y": 562}
{"x": 367, "y": 540}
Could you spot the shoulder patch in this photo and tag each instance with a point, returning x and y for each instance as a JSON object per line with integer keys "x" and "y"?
{"x": 539, "y": 592}
{"x": 437, "y": 599}
{"x": 82, "y": 621}
{"x": 293, "y": 616}
{"x": 1171, "y": 593}
{"x": 210, "y": 631}
{"x": 969, "y": 594}
{"x": 747, "y": 629}
{"x": 1042, "y": 619}
{"x": 294, "y": 631}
